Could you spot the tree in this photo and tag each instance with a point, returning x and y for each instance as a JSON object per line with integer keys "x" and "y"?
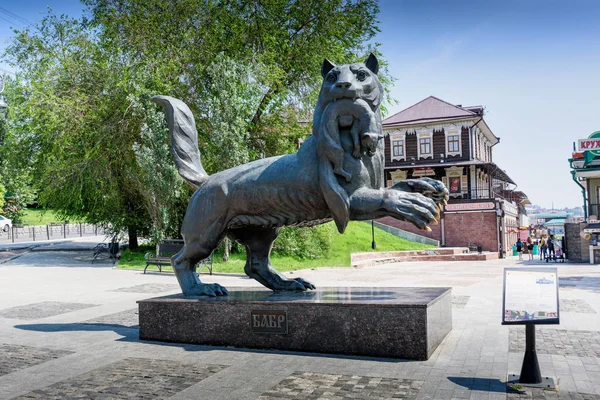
{"x": 249, "y": 69}
{"x": 282, "y": 42}
{"x": 76, "y": 107}
{"x": 17, "y": 155}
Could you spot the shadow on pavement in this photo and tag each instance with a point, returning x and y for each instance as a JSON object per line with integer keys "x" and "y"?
{"x": 131, "y": 334}
{"x": 60, "y": 258}
{"x": 489, "y": 385}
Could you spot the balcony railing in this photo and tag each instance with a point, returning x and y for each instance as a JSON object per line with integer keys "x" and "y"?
{"x": 474, "y": 194}
{"x": 478, "y": 194}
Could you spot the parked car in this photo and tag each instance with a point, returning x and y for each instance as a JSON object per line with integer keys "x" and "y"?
{"x": 5, "y": 223}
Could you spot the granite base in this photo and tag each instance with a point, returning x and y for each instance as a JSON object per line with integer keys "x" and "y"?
{"x": 404, "y": 323}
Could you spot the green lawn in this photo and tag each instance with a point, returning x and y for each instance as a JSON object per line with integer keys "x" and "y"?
{"x": 356, "y": 239}
{"x": 38, "y": 216}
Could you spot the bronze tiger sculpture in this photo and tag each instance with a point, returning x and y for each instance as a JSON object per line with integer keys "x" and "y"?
{"x": 251, "y": 202}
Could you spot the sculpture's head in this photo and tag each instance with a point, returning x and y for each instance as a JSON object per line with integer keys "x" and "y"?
{"x": 352, "y": 81}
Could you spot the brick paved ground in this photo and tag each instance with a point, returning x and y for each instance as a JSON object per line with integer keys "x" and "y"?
{"x": 71, "y": 331}
{"x": 131, "y": 378}
{"x": 560, "y": 342}
{"x": 16, "y": 357}
{"x": 311, "y": 385}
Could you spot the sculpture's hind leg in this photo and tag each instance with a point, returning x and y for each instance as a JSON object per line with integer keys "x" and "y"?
{"x": 258, "y": 243}
{"x": 184, "y": 266}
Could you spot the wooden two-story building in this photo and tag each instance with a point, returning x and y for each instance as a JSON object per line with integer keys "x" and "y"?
{"x": 454, "y": 144}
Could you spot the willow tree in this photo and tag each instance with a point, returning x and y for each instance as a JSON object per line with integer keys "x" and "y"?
{"x": 249, "y": 69}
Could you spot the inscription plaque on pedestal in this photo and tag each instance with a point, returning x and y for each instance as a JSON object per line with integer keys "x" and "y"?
{"x": 269, "y": 321}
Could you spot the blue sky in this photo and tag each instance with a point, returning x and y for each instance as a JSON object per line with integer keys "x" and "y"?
{"x": 533, "y": 64}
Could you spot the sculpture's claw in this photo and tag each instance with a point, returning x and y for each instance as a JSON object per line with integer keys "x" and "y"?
{"x": 207, "y": 289}
{"x": 307, "y": 285}
{"x": 414, "y": 208}
{"x": 427, "y": 229}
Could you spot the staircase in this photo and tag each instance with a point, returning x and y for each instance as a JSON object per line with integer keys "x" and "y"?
{"x": 359, "y": 260}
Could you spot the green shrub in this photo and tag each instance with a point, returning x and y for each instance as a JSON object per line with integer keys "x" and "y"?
{"x": 304, "y": 243}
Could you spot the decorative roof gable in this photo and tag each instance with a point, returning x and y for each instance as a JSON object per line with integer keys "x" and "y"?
{"x": 429, "y": 109}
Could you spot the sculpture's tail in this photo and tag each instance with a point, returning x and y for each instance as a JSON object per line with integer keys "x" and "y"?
{"x": 184, "y": 139}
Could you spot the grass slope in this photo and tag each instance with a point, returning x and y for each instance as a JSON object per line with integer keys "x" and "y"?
{"x": 38, "y": 216}
{"x": 356, "y": 239}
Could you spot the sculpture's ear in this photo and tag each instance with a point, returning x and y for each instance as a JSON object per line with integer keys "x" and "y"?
{"x": 326, "y": 67}
{"x": 372, "y": 63}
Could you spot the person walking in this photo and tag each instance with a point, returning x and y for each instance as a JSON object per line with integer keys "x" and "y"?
{"x": 526, "y": 251}
{"x": 543, "y": 248}
{"x": 519, "y": 245}
{"x": 529, "y": 245}
{"x": 550, "y": 243}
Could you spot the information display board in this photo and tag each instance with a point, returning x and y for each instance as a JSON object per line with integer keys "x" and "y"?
{"x": 530, "y": 296}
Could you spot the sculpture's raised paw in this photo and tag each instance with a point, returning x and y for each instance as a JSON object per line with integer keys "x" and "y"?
{"x": 428, "y": 187}
{"x": 356, "y": 154}
{"x": 440, "y": 193}
{"x": 412, "y": 207}
{"x": 207, "y": 289}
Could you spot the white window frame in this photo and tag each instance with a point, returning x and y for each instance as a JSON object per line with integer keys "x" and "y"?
{"x": 397, "y": 136}
{"x": 453, "y": 132}
{"x": 425, "y": 135}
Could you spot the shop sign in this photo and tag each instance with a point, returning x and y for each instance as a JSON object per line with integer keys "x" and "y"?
{"x": 590, "y": 147}
{"x": 470, "y": 206}
{"x": 423, "y": 172}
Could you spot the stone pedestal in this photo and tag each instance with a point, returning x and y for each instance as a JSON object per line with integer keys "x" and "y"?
{"x": 379, "y": 322}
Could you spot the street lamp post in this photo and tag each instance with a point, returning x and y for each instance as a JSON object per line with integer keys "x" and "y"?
{"x": 373, "y": 245}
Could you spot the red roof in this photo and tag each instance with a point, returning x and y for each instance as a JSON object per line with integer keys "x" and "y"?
{"x": 429, "y": 110}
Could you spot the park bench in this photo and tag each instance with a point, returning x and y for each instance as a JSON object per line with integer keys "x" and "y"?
{"x": 165, "y": 250}
{"x": 111, "y": 250}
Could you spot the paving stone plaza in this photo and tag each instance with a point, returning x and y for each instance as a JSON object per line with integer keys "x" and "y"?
{"x": 69, "y": 329}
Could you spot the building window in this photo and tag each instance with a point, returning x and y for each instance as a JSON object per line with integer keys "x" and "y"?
{"x": 398, "y": 148}
{"x": 397, "y": 143}
{"x": 453, "y": 144}
{"x": 425, "y": 146}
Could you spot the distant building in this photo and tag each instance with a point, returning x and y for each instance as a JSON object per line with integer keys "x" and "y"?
{"x": 583, "y": 238}
{"x": 454, "y": 144}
